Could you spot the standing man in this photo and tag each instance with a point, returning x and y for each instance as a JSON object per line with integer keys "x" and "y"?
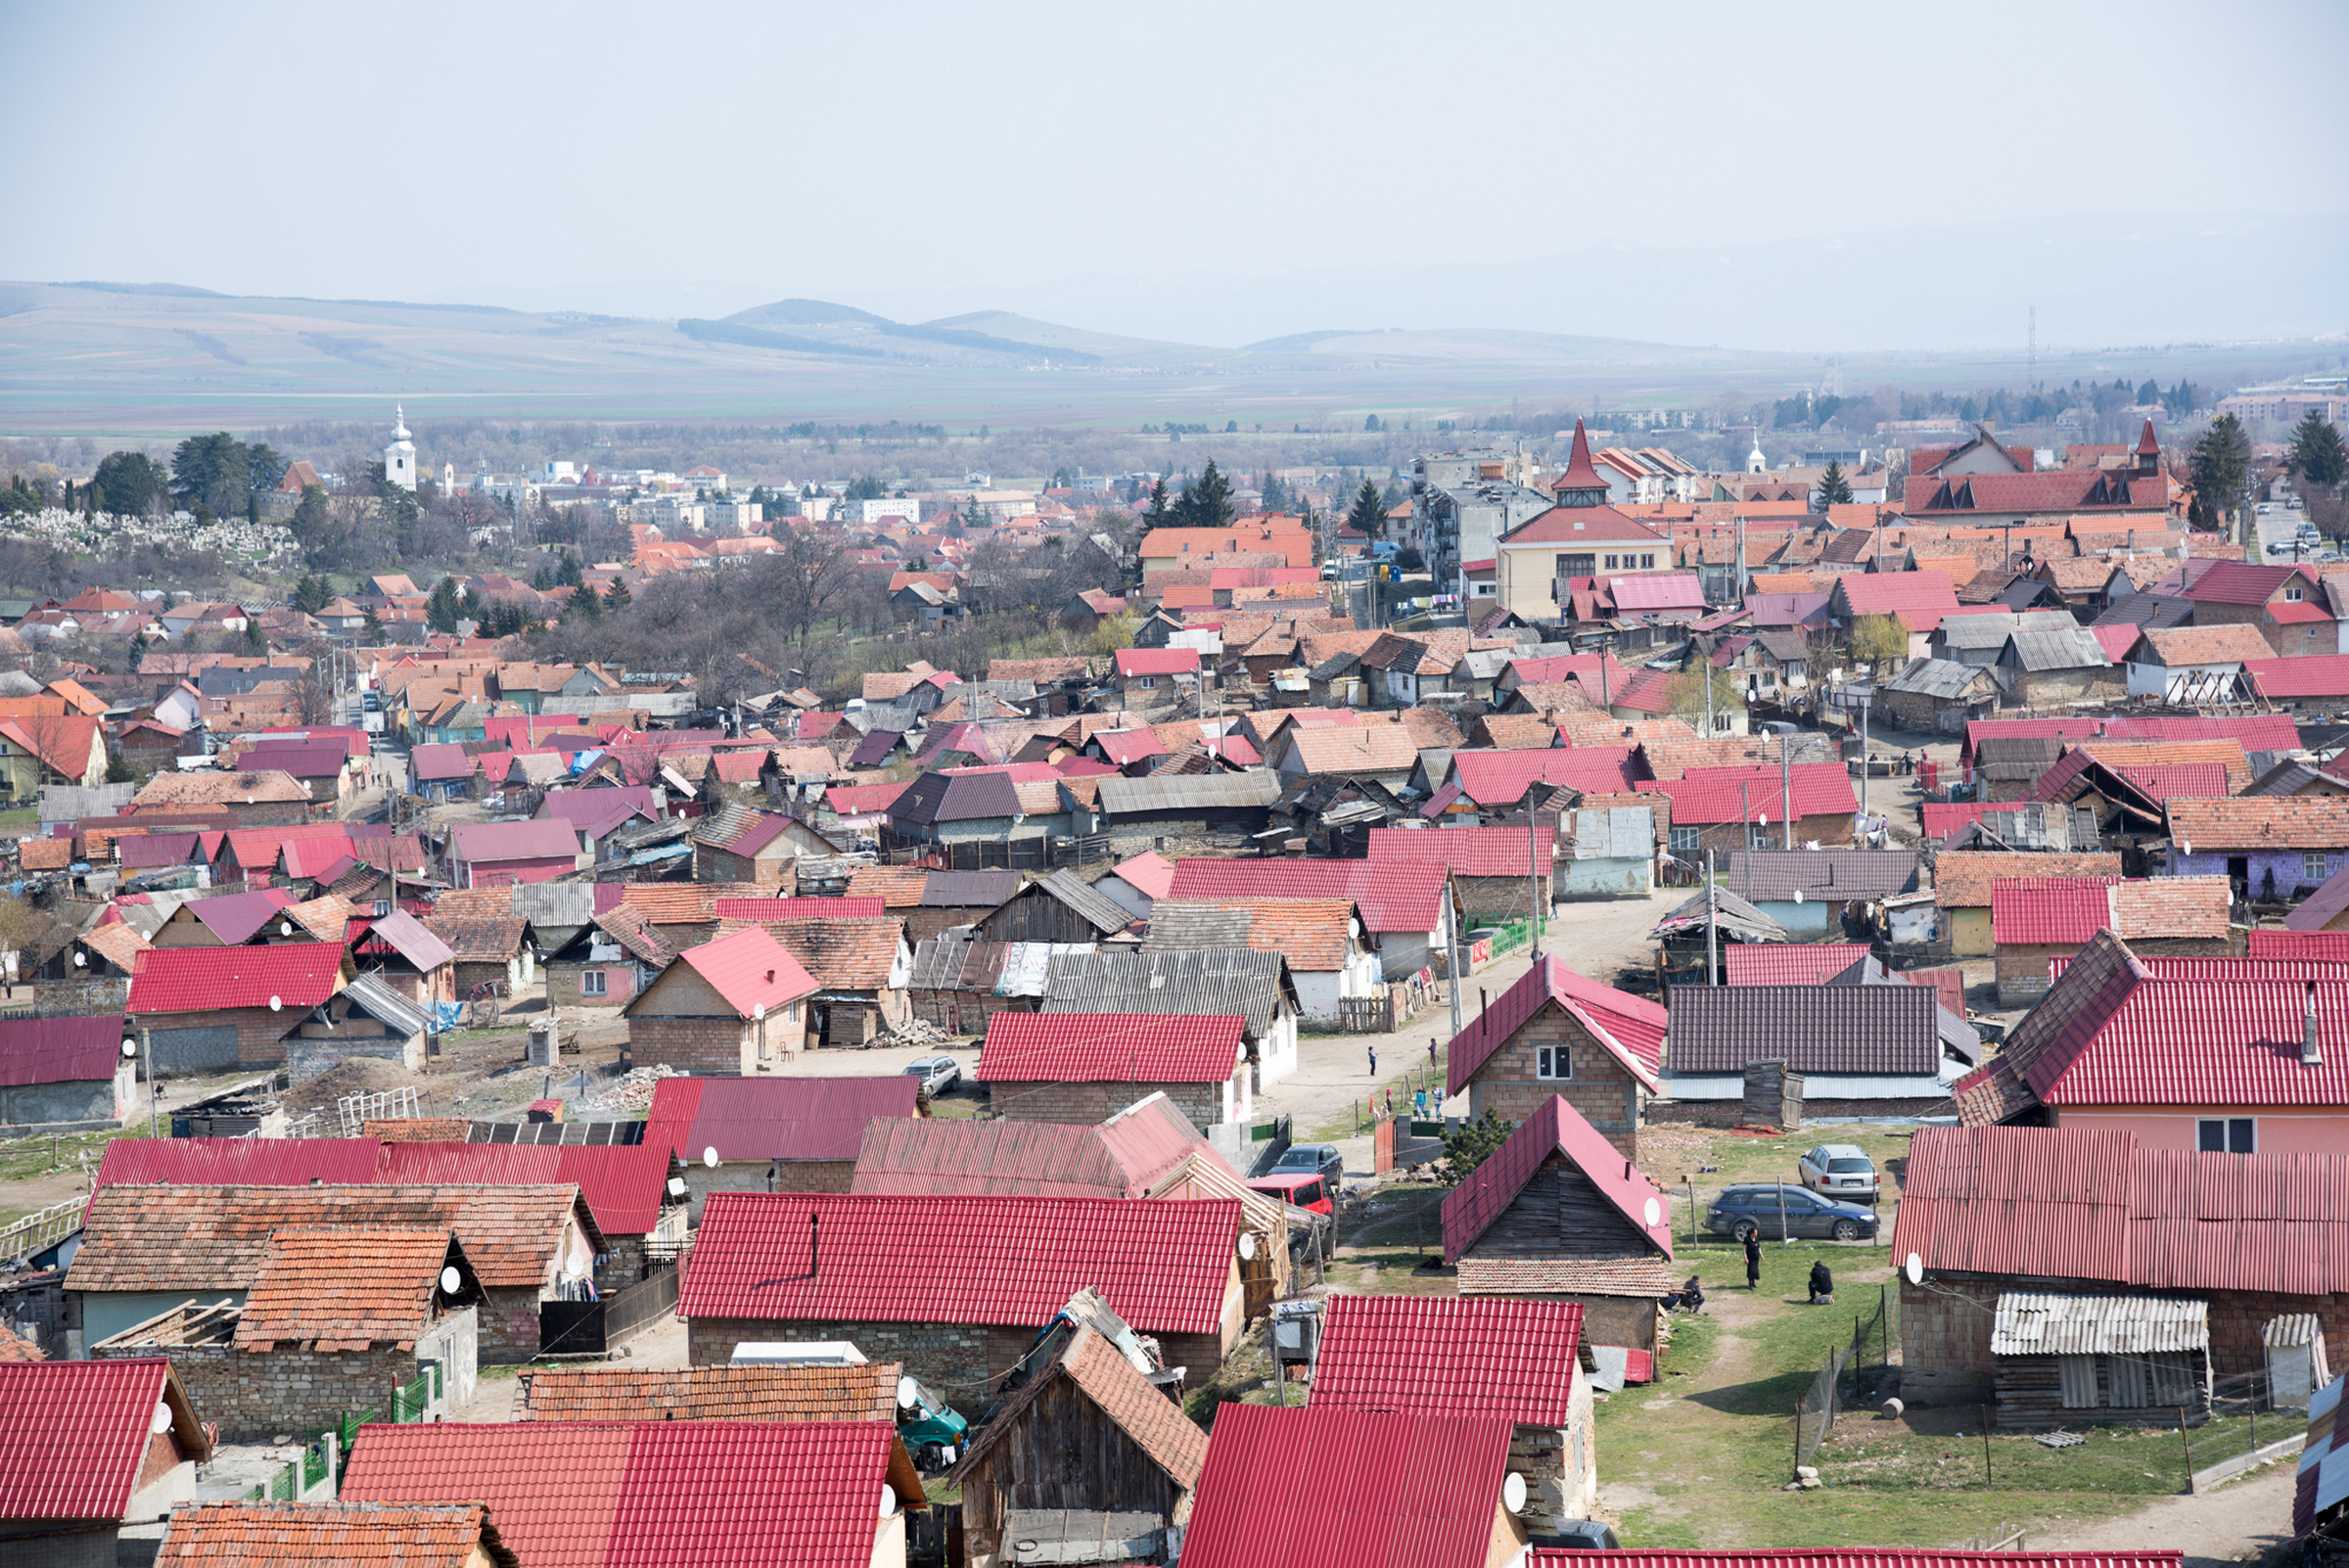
{"x": 1753, "y": 1259}
{"x": 1431, "y": 1053}
{"x": 1373, "y": 1050}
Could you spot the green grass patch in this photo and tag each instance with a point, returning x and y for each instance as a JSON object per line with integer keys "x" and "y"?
{"x": 21, "y": 824}
{"x": 26, "y": 1159}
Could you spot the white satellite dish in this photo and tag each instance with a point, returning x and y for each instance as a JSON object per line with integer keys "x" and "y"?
{"x": 1247, "y": 1247}
{"x": 131, "y": 1047}
{"x": 1652, "y": 1213}
{"x": 80, "y": 960}
{"x": 1798, "y": 896}
{"x": 1512, "y": 1491}
{"x": 910, "y": 1393}
{"x": 1914, "y": 1269}
{"x": 709, "y": 1157}
{"x": 677, "y": 1186}
{"x": 276, "y": 1004}
{"x": 889, "y": 1500}
{"x": 758, "y": 1012}
{"x": 450, "y": 1280}
{"x": 577, "y": 1267}
{"x": 285, "y": 928}
{"x": 160, "y": 1421}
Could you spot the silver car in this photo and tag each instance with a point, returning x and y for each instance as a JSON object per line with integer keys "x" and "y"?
{"x": 1840, "y": 1170}
{"x": 938, "y": 1074}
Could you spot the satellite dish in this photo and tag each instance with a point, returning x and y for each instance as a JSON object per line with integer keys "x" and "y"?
{"x": 160, "y": 1421}
{"x": 1512, "y": 1491}
{"x": 709, "y": 1157}
{"x": 910, "y": 1393}
{"x": 577, "y": 1267}
{"x": 1652, "y": 1213}
{"x": 1798, "y": 896}
{"x": 80, "y": 960}
{"x": 1247, "y": 1246}
{"x": 889, "y": 1500}
{"x": 285, "y": 928}
{"x": 677, "y": 1186}
{"x": 450, "y": 1280}
{"x": 758, "y": 1012}
{"x": 276, "y": 1004}
{"x": 1914, "y": 1270}
{"x": 131, "y": 1047}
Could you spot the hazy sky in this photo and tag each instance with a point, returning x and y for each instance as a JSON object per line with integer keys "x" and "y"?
{"x": 699, "y": 159}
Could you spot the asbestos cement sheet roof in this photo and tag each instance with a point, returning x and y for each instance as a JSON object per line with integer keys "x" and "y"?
{"x": 2033, "y": 1324}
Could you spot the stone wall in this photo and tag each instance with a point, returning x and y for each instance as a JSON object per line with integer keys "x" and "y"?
{"x": 258, "y": 1395}
{"x": 27, "y": 1108}
{"x": 508, "y": 1324}
{"x": 307, "y": 1059}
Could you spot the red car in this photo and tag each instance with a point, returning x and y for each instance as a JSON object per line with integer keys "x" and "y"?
{"x": 1305, "y": 1189}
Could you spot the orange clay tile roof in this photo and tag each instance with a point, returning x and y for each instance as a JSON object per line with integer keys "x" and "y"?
{"x": 898, "y": 887}
{"x": 2228, "y": 753}
{"x": 2169, "y": 906}
{"x": 339, "y": 1535}
{"x": 1962, "y": 881}
{"x": 271, "y": 785}
{"x": 862, "y": 1393}
{"x": 477, "y": 903}
{"x": 117, "y": 944}
{"x": 2261, "y": 822}
{"x": 838, "y": 955}
{"x": 45, "y": 854}
{"x": 416, "y": 1130}
{"x": 1311, "y": 933}
{"x": 343, "y": 1287}
{"x": 2206, "y": 645}
{"x": 214, "y": 1239}
{"x": 1354, "y": 748}
{"x": 677, "y": 903}
{"x": 1517, "y": 732}
{"x": 13, "y": 1346}
{"x": 479, "y": 941}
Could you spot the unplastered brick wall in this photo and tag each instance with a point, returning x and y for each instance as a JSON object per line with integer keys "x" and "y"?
{"x": 1510, "y": 1085}
{"x": 689, "y": 1044}
{"x": 1945, "y": 1340}
{"x": 1089, "y": 1104}
{"x": 508, "y": 1324}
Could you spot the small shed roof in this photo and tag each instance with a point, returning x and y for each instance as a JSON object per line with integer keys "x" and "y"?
{"x": 2037, "y": 1324}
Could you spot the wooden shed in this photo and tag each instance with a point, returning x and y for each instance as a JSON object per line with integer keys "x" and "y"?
{"x": 2137, "y": 1360}
{"x": 1063, "y": 907}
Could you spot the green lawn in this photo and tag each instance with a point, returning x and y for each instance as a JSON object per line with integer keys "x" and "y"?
{"x": 21, "y": 824}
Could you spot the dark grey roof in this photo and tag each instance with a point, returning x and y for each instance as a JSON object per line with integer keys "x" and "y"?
{"x": 2069, "y": 648}
{"x": 1095, "y": 908}
{"x": 955, "y": 963}
{"x": 1958, "y": 1037}
{"x": 2288, "y": 775}
{"x": 1735, "y": 918}
{"x": 1812, "y": 1028}
{"x": 1216, "y": 981}
{"x": 2153, "y": 611}
{"x": 969, "y": 889}
{"x": 1829, "y": 875}
{"x": 956, "y": 797}
{"x": 1180, "y": 792}
{"x": 2015, "y": 758}
{"x": 1934, "y": 677}
{"x": 1176, "y": 926}
{"x": 1786, "y": 646}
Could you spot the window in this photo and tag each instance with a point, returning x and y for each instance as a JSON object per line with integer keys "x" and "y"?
{"x": 1685, "y": 840}
{"x": 1758, "y": 837}
{"x": 1647, "y": 560}
{"x": 1576, "y": 566}
{"x": 1146, "y": 683}
{"x": 2225, "y": 1134}
{"x": 1553, "y": 1061}
{"x": 2316, "y": 865}
{"x": 1610, "y": 563}
{"x": 591, "y": 982}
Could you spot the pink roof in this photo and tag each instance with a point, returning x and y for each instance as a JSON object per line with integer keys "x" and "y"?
{"x": 1149, "y": 874}
{"x": 1631, "y": 1027}
{"x": 1318, "y": 1487}
{"x": 1158, "y": 660}
{"x": 801, "y": 908}
{"x": 1750, "y": 794}
{"x": 1391, "y": 894}
{"x": 862, "y": 800}
{"x": 194, "y": 980}
{"x": 73, "y": 1436}
{"x": 1919, "y": 598}
{"x": 750, "y": 970}
{"x": 1668, "y": 590}
{"x": 1109, "y": 1048}
{"x": 481, "y": 843}
{"x": 2330, "y": 947}
{"x": 1123, "y": 746}
{"x": 2238, "y": 583}
{"x": 2299, "y": 612}
{"x": 2207, "y": 1043}
{"x": 1942, "y": 818}
{"x": 235, "y": 917}
{"x": 2117, "y": 640}
{"x": 1797, "y": 964}
{"x": 941, "y": 1260}
{"x": 1501, "y": 777}
{"x": 1849, "y": 1557}
{"x": 1475, "y": 851}
{"x": 774, "y": 1118}
{"x": 1553, "y": 667}
{"x": 1449, "y": 1355}
{"x": 1554, "y": 1128}
{"x": 2317, "y": 675}
{"x": 2048, "y": 911}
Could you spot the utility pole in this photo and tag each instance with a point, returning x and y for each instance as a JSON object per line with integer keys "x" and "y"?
{"x": 1451, "y": 922}
{"x": 1785, "y": 790}
{"x": 1864, "y": 707}
{"x": 147, "y": 1047}
{"x": 1533, "y": 870}
{"x": 1712, "y": 931}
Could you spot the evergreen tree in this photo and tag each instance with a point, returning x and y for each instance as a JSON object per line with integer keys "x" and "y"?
{"x": 585, "y": 604}
{"x": 128, "y": 484}
{"x": 1162, "y": 511}
{"x": 569, "y": 574}
{"x": 117, "y": 768}
{"x": 617, "y": 596}
{"x": 255, "y": 636}
{"x": 1275, "y": 493}
{"x": 375, "y": 629}
{"x": 1833, "y": 488}
{"x": 1369, "y": 514}
{"x": 2318, "y": 455}
{"x": 440, "y": 609}
{"x": 2220, "y": 467}
{"x": 1207, "y": 500}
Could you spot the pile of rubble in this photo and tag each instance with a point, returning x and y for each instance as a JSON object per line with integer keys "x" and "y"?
{"x": 914, "y": 1032}
{"x": 633, "y": 1091}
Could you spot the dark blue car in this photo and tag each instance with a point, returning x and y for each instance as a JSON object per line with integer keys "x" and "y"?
{"x": 1749, "y": 1211}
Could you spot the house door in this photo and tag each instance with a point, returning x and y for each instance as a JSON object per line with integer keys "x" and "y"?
{"x": 2238, "y": 872}
{"x": 823, "y": 1024}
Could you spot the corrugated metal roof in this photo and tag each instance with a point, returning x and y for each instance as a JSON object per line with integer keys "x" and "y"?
{"x": 1391, "y": 894}
{"x": 1812, "y": 1029}
{"x": 1820, "y": 874}
{"x": 1936, "y": 677}
{"x": 1782, "y": 963}
{"x": 1447, "y": 1355}
{"x": 59, "y": 1051}
{"x": 1095, "y": 908}
{"x": 1256, "y": 786}
{"x": 2032, "y": 1323}
{"x": 774, "y": 1118}
{"x": 1065, "y": 1047}
{"x": 1631, "y": 1027}
{"x": 190, "y": 979}
{"x": 1555, "y": 1128}
{"x": 1254, "y": 984}
{"x": 75, "y": 1434}
{"x": 1851, "y": 1557}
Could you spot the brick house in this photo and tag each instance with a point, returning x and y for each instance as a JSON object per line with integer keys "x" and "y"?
{"x": 336, "y": 1317}
{"x": 739, "y": 843}
{"x": 2255, "y": 1237}
{"x": 482, "y": 854}
{"x": 861, "y": 969}
{"x": 1407, "y": 1354}
{"x": 1558, "y": 1214}
{"x": 223, "y": 920}
{"x": 2036, "y": 919}
{"x": 263, "y": 799}
{"x": 2269, "y": 847}
{"x": 1555, "y": 1033}
{"x": 612, "y": 958}
{"x": 584, "y": 1494}
{"x": 772, "y": 1135}
{"x": 1742, "y": 807}
{"x": 1490, "y": 867}
{"x": 924, "y": 1281}
{"x": 486, "y": 949}
{"x": 737, "y": 1004}
{"x": 1082, "y": 1068}
{"x": 215, "y": 1009}
{"x": 88, "y": 1472}
{"x": 1962, "y": 885}
{"x": 148, "y": 1250}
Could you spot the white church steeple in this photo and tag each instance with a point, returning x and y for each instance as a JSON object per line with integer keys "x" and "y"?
{"x": 1755, "y": 462}
{"x": 400, "y": 458}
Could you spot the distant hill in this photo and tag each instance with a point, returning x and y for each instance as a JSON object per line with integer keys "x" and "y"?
{"x": 838, "y": 329}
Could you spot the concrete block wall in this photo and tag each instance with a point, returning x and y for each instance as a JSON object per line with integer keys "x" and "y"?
{"x": 1945, "y": 1341}
{"x": 1089, "y": 1104}
{"x": 689, "y": 1044}
{"x": 254, "y": 1397}
{"x": 1730, "y": 1113}
{"x": 961, "y": 1362}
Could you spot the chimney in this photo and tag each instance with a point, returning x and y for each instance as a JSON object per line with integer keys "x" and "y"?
{"x": 2311, "y": 1054}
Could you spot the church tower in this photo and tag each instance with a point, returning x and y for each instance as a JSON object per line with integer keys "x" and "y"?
{"x": 1755, "y": 462}
{"x": 400, "y": 458}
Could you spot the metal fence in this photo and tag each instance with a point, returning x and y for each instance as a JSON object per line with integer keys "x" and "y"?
{"x": 413, "y": 1401}
{"x": 592, "y": 1328}
{"x": 1872, "y": 1344}
{"x": 1815, "y": 1408}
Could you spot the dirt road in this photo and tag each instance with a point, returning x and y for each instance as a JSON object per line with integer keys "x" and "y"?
{"x": 2238, "y": 1523}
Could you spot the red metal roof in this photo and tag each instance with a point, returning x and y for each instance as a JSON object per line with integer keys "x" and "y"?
{"x": 2208, "y": 1044}
{"x": 1158, "y": 660}
{"x": 59, "y": 1051}
{"x": 1318, "y": 1487}
{"x": 74, "y": 1435}
{"x": 2258, "y": 732}
{"x": 1123, "y": 746}
{"x": 2330, "y": 945}
{"x": 1109, "y": 1048}
{"x": 1554, "y": 1128}
{"x": 194, "y": 979}
{"x": 543, "y": 838}
{"x": 1943, "y": 819}
{"x": 1149, "y": 874}
{"x": 2066, "y": 1203}
{"x": 2179, "y": 781}
{"x": 1797, "y": 964}
{"x": 750, "y": 970}
{"x": 1501, "y": 777}
{"x": 1470, "y": 851}
{"x": 1631, "y": 1026}
{"x": 779, "y": 1118}
{"x": 2048, "y": 911}
{"x": 1392, "y": 894}
{"x": 1162, "y": 1263}
{"x": 1705, "y": 795}
{"x": 1851, "y": 1557}
{"x": 2315, "y": 675}
{"x": 2239, "y": 582}
{"x": 1449, "y": 1355}
{"x": 802, "y": 908}
{"x": 656, "y": 1493}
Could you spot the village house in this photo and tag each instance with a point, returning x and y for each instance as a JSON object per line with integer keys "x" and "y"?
{"x": 736, "y": 1004}
{"x": 1255, "y": 986}
{"x": 255, "y": 798}
{"x": 1082, "y": 1068}
{"x": 737, "y": 844}
{"x": 487, "y": 855}
{"x": 213, "y": 1010}
{"x": 2034, "y": 920}
{"x": 1860, "y": 1050}
{"x": 861, "y": 1391}
{"x": 1554, "y": 1033}
{"x": 913, "y": 1279}
{"x": 2188, "y": 666}
{"x": 1739, "y": 807}
{"x": 1494, "y": 872}
{"x": 2273, "y": 848}
{"x": 773, "y": 1134}
{"x": 1409, "y": 909}
{"x": 608, "y": 963}
{"x": 1938, "y": 695}
{"x": 1962, "y": 886}
{"x": 255, "y": 1535}
{"x": 1062, "y": 908}
{"x": 484, "y": 949}
{"x": 1408, "y": 1354}
{"x": 64, "y": 1075}
{"x": 860, "y": 968}
{"x": 1820, "y": 893}
{"x": 96, "y": 1452}
{"x": 1336, "y": 976}
{"x": 1162, "y": 813}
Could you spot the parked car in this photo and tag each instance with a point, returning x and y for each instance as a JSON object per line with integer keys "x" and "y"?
{"x": 1753, "y": 1209}
{"x": 1303, "y": 1189}
{"x": 1579, "y": 1535}
{"x": 938, "y": 1074}
{"x": 1840, "y": 1170}
{"x": 1320, "y": 1159}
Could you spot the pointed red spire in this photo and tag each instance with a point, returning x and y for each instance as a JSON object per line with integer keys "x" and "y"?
{"x": 1581, "y": 472}
{"x": 2148, "y": 444}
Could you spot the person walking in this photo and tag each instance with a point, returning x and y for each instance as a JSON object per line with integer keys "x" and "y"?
{"x": 1373, "y": 1050}
{"x": 1753, "y": 1259}
{"x": 1420, "y": 1105}
{"x": 1431, "y": 1053}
